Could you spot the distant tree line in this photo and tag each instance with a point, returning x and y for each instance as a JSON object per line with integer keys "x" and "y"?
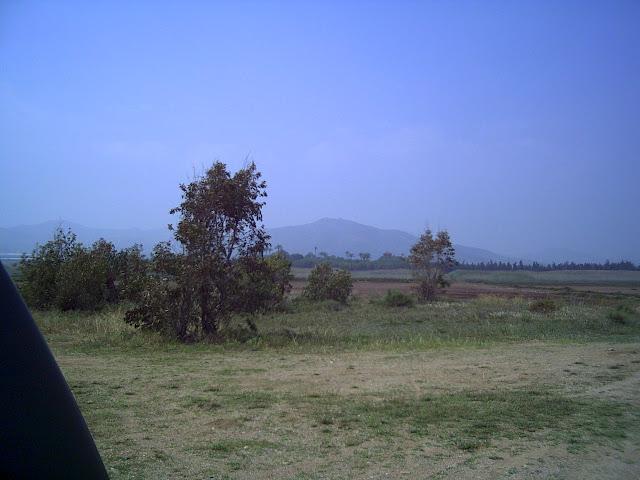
{"x": 540, "y": 267}
{"x": 389, "y": 261}
{"x": 363, "y": 261}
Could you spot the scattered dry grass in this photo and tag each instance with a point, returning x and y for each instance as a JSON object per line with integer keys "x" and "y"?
{"x": 479, "y": 389}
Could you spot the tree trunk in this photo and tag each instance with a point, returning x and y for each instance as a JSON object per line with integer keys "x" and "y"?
{"x": 209, "y": 326}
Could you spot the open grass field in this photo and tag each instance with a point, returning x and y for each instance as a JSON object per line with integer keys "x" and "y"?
{"x": 556, "y": 278}
{"x": 553, "y": 278}
{"x": 481, "y": 388}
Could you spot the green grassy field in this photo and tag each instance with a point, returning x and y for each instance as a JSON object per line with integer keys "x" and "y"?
{"x": 367, "y": 325}
{"x": 559, "y": 277}
{"x": 483, "y": 389}
{"x": 554, "y": 278}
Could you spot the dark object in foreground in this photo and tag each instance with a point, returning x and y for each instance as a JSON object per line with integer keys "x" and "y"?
{"x": 42, "y": 432}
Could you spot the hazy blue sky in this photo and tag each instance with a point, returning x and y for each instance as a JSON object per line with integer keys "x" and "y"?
{"x": 515, "y": 125}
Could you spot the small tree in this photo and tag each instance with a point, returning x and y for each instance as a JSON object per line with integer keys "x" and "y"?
{"x": 431, "y": 257}
{"x": 325, "y": 283}
{"x": 364, "y": 256}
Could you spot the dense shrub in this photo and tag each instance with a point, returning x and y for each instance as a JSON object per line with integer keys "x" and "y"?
{"x": 395, "y": 298}
{"x": 543, "y": 306}
{"x": 325, "y": 283}
{"x": 39, "y": 273}
{"x": 617, "y": 316}
{"x": 163, "y": 307}
{"x": 261, "y": 285}
{"x": 64, "y": 274}
{"x": 621, "y": 314}
{"x": 85, "y": 282}
{"x": 131, "y": 272}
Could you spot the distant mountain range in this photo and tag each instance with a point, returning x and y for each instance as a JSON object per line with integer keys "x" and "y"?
{"x": 330, "y": 235}
{"x": 23, "y": 238}
{"x": 334, "y": 236}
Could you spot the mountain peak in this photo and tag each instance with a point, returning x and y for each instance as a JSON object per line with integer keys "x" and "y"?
{"x": 336, "y": 236}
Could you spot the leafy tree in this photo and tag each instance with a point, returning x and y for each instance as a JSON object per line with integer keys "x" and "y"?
{"x": 431, "y": 257}
{"x": 222, "y": 269}
{"x": 364, "y": 256}
{"x": 165, "y": 263}
{"x": 220, "y": 217}
{"x": 325, "y": 283}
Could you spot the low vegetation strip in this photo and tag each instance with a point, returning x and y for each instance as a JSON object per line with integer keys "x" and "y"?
{"x": 368, "y": 325}
{"x": 471, "y": 419}
{"x": 555, "y": 278}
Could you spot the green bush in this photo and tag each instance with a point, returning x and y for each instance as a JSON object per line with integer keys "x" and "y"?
{"x": 82, "y": 282}
{"x": 165, "y": 308}
{"x": 543, "y": 306}
{"x": 64, "y": 274}
{"x": 325, "y": 283}
{"x": 261, "y": 285}
{"x": 625, "y": 309}
{"x": 617, "y": 316}
{"x": 39, "y": 273}
{"x": 395, "y": 298}
{"x": 132, "y": 273}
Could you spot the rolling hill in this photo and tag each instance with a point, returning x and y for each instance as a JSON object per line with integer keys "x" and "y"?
{"x": 23, "y": 238}
{"x": 334, "y": 236}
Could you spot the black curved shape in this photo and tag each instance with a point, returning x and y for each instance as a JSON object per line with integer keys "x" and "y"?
{"x": 42, "y": 432}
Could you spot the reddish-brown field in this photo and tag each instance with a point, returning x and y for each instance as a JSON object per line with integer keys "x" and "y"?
{"x": 468, "y": 290}
{"x": 458, "y": 290}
